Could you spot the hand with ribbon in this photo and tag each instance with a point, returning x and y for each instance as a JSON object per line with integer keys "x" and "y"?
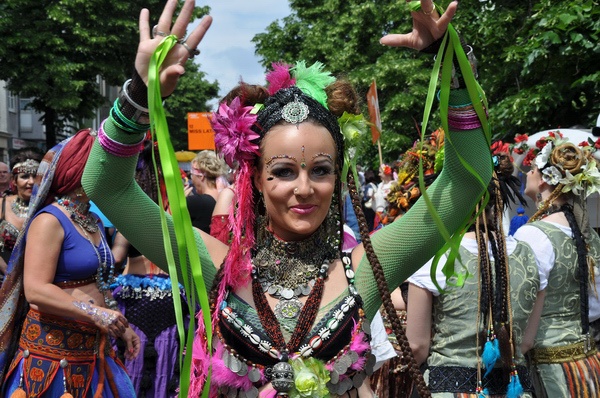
{"x": 172, "y": 66}
{"x": 428, "y": 25}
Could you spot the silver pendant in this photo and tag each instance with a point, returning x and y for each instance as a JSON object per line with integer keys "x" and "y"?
{"x": 283, "y": 377}
{"x": 288, "y": 308}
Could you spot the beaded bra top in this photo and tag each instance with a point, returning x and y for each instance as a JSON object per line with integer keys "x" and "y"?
{"x": 338, "y": 343}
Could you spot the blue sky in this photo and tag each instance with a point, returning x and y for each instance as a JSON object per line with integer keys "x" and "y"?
{"x": 227, "y": 51}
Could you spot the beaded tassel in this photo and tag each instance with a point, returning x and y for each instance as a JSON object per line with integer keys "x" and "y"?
{"x": 63, "y": 365}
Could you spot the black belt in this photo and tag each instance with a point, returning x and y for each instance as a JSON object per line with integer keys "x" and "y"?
{"x": 459, "y": 379}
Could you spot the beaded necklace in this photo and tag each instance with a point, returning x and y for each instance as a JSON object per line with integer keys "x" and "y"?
{"x": 80, "y": 214}
{"x": 20, "y": 207}
{"x": 288, "y": 270}
{"x": 105, "y": 275}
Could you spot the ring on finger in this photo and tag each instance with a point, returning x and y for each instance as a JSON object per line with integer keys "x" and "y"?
{"x": 156, "y": 32}
{"x": 192, "y": 51}
{"x": 430, "y": 12}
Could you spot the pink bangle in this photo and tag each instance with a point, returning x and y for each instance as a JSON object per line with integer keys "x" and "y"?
{"x": 116, "y": 148}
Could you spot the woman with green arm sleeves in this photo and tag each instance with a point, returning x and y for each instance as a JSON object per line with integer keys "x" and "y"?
{"x": 290, "y": 310}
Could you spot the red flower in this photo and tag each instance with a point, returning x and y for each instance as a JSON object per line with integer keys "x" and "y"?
{"x": 529, "y": 157}
{"x": 521, "y": 138}
{"x": 499, "y": 147}
{"x": 584, "y": 144}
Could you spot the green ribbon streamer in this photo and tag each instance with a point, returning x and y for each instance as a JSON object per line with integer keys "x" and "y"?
{"x": 444, "y": 60}
{"x": 189, "y": 258}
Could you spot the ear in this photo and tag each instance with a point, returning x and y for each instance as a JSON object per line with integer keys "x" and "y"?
{"x": 256, "y": 176}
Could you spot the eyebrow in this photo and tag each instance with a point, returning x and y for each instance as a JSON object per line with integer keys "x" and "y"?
{"x": 328, "y": 156}
{"x": 282, "y": 156}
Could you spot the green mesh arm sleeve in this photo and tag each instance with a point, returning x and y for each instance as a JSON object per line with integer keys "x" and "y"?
{"x": 405, "y": 245}
{"x": 109, "y": 182}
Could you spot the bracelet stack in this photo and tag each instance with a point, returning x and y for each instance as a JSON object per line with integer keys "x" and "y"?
{"x": 127, "y": 114}
{"x": 116, "y": 148}
{"x": 463, "y": 117}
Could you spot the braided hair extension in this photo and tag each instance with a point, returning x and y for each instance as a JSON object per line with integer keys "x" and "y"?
{"x": 546, "y": 205}
{"x": 582, "y": 252}
{"x": 407, "y": 355}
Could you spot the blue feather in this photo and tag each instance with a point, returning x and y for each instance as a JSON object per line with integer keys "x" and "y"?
{"x": 515, "y": 389}
{"x": 491, "y": 353}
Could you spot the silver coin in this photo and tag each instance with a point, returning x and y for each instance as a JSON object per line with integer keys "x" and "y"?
{"x": 305, "y": 290}
{"x": 252, "y": 392}
{"x": 340, "y": 366}
{"x": 298, "y": 291}
{"x": 272, "y": 290}
{"x": 366, "y": 326}
{"x": 353, "y": 356}
{"x": 232, "y": 393}
{"x": 254, "y": 375}
{"x": 345, "y": 359}
{"x": 347, "y": 383}
{"x": 358, "y": 379}
{"x": 236, "y": 364}
{"x": 370, "y": 364}
{"x": 334, "y": 377}
{"x": 226, "y": 359}
{"x": 243, "y": 370}
{"x": 287, "y": 293}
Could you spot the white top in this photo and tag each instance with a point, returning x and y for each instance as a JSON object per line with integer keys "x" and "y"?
{"x": 422, "y": 277}
{"x": 544, "y": 253}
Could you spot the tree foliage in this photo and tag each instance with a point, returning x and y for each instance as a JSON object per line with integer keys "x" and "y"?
{"x": 190, "y": 96}
{"x": 537, "y": 60}
{"x": 54, "y": 51}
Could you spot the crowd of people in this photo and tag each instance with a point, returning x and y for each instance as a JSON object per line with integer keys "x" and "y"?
{"x": 323, "y": 280}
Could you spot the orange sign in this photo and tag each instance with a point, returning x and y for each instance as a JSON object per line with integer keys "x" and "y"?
{"x": 373, "y": 104}
{"x": 200, "y": 133}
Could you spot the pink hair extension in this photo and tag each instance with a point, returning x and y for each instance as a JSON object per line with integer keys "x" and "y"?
{"x": 201, "y": 360}
{"x": 279, "y": 78}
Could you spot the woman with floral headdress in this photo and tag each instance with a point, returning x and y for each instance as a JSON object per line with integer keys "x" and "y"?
{"x": 290, "y": 311}
{"x": 469, "y": 333}
{"x": 558, "y": 342}
{"x": 15, "y": 207}
{"x": 57, "y": 314}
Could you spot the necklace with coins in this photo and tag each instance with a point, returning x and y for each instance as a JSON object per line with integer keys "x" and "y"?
{"x": 20, "y": 207}
{"x": 288, "y": 270}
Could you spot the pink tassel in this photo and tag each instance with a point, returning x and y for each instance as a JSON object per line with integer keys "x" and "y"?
{"x": 279, "y": 78}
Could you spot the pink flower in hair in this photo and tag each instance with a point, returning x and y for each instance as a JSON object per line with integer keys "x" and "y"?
{"x": 279, "y": 78}
{"x": 233, "y": 133}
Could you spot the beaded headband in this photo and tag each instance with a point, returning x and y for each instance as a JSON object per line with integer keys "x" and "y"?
{"x": 29, "y": 166}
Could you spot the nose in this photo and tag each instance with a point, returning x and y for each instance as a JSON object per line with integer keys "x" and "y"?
{"x": 304, "y": 187}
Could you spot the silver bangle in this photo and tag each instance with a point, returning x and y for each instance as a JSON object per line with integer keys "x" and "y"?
{"x": 141, "y": 114}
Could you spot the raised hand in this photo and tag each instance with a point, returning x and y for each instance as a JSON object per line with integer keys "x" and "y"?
{"x": 173, "y": 65}
{"x": 428, "y": 26}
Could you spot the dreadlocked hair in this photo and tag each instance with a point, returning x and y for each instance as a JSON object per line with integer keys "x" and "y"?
{"x": 582, "y": 253}
{"x": 407, "y": 355}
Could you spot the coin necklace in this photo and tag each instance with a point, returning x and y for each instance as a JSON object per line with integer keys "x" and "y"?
{"x": 20, "y": 207}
